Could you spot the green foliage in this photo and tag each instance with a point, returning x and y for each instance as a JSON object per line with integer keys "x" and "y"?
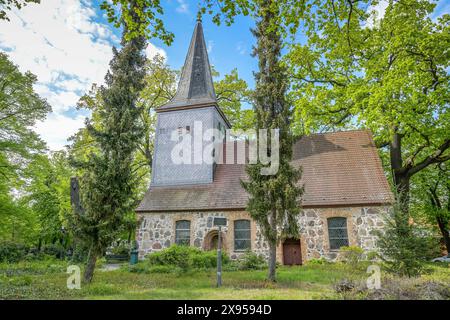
{"x": 251, "y": 261}
{"x": 273, "y": 199}
{"x": 389, "y": 75}
{"x": 320, "y": 261}
{"x": 140, "y": 17}
{"x": 232, "y": 92}
{"x": 108, "y": 183}
{"x": 12, "y": 251}
{"x": 185, "y": 258}
{"x": 350, "y": 255}
{"x": 20, "y": 108}
{"x": 123, "y": 248}
{"x": 431, "y": 201}
{"x": 404, "y": 247}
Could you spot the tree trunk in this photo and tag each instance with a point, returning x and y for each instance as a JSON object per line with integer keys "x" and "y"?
{"x": 90, "y": 266}
{"x": 272, "y": 261}
{"x": 445, "y": 235}
{"x": 401, "y": 177}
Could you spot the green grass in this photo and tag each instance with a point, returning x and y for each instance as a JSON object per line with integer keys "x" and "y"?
{"x": 47, "y": 280}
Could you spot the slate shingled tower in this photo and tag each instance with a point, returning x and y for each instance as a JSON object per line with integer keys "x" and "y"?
{"x": 195, "y": 100}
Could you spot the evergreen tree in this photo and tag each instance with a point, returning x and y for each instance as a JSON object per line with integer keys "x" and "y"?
{"x": 404, "y": 246}
{"x": 108, "y": 182}
{"x": 274, "y": 201}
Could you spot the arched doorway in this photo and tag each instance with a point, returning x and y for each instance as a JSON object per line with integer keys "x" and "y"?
{"x": 212, "y": 239}
{"x": 292, "y": 253}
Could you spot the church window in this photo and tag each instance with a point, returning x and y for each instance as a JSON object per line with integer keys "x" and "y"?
{"x": 183, "y": 232}
{"x": 242, "y": 235}
{"x": 337, "y": 232}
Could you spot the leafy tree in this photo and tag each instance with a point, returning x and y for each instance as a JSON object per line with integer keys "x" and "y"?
{"x": 388, "y": 75}
{"x": 47, "y": 194}
{"x": 431, "y": 198}
{"x": 20, "y": 108}
{"x": 108, "y": 182}
{"x": 232, "y": 92}
{"x": 19, "y": 223}
{"x": 150, "y": 25}
{"x": 273, "y": 199}
{"x": 7, "y": 5}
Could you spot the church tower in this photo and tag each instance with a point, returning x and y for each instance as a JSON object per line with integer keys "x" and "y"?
{"x": 195, "y": 101}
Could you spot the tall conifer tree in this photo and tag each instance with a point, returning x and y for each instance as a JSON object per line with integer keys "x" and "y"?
{"x": 108, "y": 181}
{"x": 274, "y": 199}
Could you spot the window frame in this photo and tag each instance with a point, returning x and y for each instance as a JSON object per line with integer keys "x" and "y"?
{"x": 177, "y": 239}
{"x": 249, "y": 239}
{"x": 332, "y": 245}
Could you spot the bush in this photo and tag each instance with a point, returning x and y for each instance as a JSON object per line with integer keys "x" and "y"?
{"x": 121, "y": 248}
{"x": 319, "y": 261}
{"x": 185, "y": 257}
{"x": 252, "y": 261}
{"x": 54, "y": 250}
{"x": 350, "y": 255}
{"x": 394, "y": 289}
{"x": 403, "y": 246}
{"x": 12, "y": 251}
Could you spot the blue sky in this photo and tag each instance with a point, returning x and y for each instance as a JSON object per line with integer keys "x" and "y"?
{"x": 67, "y": 45}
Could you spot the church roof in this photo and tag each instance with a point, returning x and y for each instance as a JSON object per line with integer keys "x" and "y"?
{"x": 195, "y": 87}
{"x": 339, "y": 169}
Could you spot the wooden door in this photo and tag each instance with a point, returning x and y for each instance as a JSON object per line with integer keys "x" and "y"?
{"x": 292, "y": 254}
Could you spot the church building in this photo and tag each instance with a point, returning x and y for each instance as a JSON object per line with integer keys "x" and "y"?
{"x": 345, "y": 199}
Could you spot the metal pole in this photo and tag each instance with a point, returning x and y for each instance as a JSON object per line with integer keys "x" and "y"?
{"x": 219, "y": 258}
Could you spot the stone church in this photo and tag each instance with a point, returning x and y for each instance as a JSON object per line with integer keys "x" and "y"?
{"x": 346, "y": 191}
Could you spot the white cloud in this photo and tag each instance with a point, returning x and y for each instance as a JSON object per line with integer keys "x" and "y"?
{"x": 210, "y": 46}
{"x": 240, "y": 48}
{"x": 153, "y": 50}
{"x": 183, "y": 7}
{"x": 61, "y": 42}
{"x": 57, "y": 128}
{"x": 377, "y": 13}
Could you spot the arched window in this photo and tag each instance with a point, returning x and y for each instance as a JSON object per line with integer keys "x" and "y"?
{"x": 242, "y": 235}
{"x": 183, "y": 232}
{"x": 337, "y": 232}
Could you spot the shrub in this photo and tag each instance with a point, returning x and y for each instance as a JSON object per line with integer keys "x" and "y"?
{"x": 394, "y": 288}
{"x": 252, "y": 261}
{"x": 54, "y": 250}
{"x": 121, "y": 248}
{"x": 12, "y": 251}
{"x": 319, "y": 261}
{"x": 185, "y": 257}
{"x": 350, "y": 255}
{"x": 372, "y": 256}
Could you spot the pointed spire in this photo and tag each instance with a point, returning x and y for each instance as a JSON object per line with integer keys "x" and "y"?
{"x": 196, "y": 85}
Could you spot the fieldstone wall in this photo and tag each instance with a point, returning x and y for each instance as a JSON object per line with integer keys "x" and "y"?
{"x": 157, "y": 230}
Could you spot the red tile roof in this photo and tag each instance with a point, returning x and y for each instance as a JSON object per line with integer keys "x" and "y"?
{"x": 339, "y": 169}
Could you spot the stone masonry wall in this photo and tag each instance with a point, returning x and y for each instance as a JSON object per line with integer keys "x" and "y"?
{"x": 157, "y": 230}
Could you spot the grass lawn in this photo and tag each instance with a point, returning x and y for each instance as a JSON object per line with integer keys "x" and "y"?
{"x": 47, "y": 280}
